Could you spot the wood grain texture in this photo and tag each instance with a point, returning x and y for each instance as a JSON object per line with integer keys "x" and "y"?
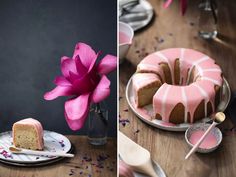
{"x": 170, "y": 29}
{"x": 89, "y": 161}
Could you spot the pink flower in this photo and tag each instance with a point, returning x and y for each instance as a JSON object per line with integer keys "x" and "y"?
{"x": 183, "y": 5}
{"x": 85, "y": 80}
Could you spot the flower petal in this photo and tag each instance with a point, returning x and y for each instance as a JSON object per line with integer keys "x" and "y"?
{"x": 102, "y": 90}
{"x": 87, "y": 55}
{"x": 61, "y": 81}
{"x": 84, "y": 84}
{"x": 64, "y": 58}
{"x": 167, "y": 3}
{"x": 76, "y": 111}
{"x": 107, "y": 64}
{"x": 183, "y": 5}
{"x": 58, "y": 91}
{"x": 68, "y": 65}
{"x": 81, "y": 69}
{"x": 73, "y": 77}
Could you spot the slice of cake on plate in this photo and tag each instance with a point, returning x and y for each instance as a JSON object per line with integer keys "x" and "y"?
{"x": 28, "y": 134}
{"x": 145, "y": 86}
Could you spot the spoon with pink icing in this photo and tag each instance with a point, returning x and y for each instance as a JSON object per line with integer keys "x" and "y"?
{"x": 219, "y": 117}
{"x": 135, "y": 156}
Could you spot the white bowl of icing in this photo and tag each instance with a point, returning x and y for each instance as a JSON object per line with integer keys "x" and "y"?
{"x": 210, "y": 143}
{"x": 126, "y": 35}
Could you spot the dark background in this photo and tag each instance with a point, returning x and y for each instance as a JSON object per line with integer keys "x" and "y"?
{"x": 34, "y": 35}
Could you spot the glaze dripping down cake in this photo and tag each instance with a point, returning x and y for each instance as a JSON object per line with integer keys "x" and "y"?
{"x": 185, "y": 85}
{"x": 28, "y": 134}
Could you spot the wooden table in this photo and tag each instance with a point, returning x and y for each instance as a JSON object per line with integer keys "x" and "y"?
{"x": 170, "y": 29}
{"x": 89, "y": 161}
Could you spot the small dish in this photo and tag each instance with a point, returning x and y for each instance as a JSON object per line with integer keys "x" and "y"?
{"x": 125, "y": 31}
{"x": 202, "y": 127}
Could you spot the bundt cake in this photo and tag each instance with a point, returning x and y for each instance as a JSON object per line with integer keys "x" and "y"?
{"x": 28, "y": 134}
{"x": 182, "y": 84}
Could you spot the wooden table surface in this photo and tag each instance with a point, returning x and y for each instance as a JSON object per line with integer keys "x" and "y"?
{"x": 89, "y": 161}
{"x": 170, "y": 29}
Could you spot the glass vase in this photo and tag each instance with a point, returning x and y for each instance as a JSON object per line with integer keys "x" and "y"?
{"x": 208, "y": 19}
{"x": 98, "y": 124}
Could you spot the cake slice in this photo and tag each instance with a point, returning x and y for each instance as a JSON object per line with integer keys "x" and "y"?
{"x": 145, "y": 86}
{"x": 28, "y": 134}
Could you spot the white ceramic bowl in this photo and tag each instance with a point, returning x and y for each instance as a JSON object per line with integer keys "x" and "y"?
{"x": 203, "y": 126}
{"x": 124, "y": 47}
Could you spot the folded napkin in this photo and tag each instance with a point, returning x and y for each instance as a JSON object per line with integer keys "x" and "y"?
{"x": 193, "y": 167}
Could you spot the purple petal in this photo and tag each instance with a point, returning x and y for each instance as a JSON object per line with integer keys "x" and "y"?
{"x": 81, "y": 69}
{"x": 64, "y": 58}
{"x": 58, "y": 91}
{"x": 61, "y": 81}
{"x": 68, "y": 65}
{"x": 167, "y": 3}
{"x": 84, "y": 84}
{"x": 73, "y": 77}
{"x": 87, "y": 55}
{"x": 102, "y": 90}
{"x": 107, "y": 64}
{"x": 76, "y": 111}
{"x": 183, "y": 5}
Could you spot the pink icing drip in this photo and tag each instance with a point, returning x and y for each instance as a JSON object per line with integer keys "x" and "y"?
{"x": 151, "y": 64}
{"x": 188, "y": 59}
{"x": 38, "y": 127}
{"x": 175, "y": 98}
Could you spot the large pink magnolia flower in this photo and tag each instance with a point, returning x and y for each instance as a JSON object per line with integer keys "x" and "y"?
{"x": 183, "y": 5}
{"x": 85, "y": 80}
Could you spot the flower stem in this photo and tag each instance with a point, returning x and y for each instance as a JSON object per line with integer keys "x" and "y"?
{"x": 99, "y": 112}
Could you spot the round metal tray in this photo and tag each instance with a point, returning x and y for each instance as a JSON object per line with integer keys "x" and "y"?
{"x": 145, "y": 112}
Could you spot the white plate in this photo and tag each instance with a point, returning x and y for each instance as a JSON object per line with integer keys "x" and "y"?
{"x": 159, "y": 171}
{"x": 140, "y": 16}
{"x": 53, "y": 142}
{"x": 146, "y": 112}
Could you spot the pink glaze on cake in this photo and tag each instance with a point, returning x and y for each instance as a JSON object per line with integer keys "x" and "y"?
{"x": 208, "y": 75}
{"x": 141, "y": 80}
{"x": 38, "y": 127}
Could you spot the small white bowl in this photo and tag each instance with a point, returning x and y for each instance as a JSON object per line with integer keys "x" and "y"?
{"x": 203, "y": 127}
{"x": 124, "y": 47}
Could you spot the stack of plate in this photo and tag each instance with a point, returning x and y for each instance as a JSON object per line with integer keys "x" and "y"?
{"x": 53, "y": 142}
{"x": 138, "y": 15}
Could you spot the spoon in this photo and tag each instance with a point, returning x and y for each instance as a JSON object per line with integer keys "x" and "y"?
{"x": 135, "y": 156}
{"x": 219, "y": 117}
{"x": 30, "y": 152}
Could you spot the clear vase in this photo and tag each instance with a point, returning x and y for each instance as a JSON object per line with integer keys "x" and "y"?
{"x": 208, "y": 19}
{"x": 98, "y": 124}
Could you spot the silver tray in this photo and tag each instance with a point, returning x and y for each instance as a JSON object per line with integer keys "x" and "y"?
{"x": 145, "y": 112}
{"x": 140, "y": 16}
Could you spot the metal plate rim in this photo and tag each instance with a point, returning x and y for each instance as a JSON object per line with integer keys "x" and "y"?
{"x": 169, "y": 128}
